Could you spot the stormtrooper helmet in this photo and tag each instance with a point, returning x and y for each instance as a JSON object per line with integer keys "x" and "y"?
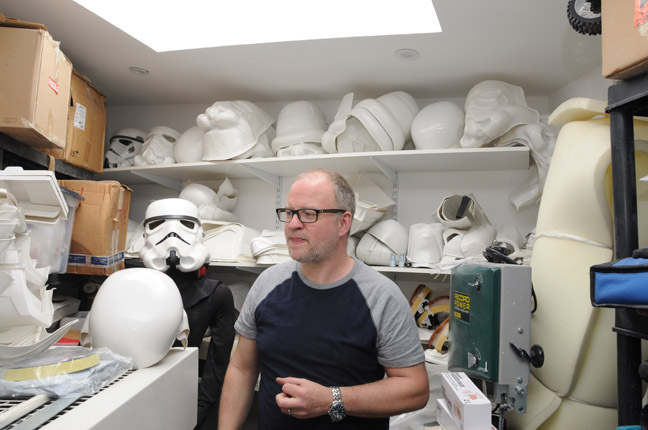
{"x": 173, "y": 236}
{"x": 158, "y": 147}
{"x": 137, "y": 313}
{"x": 124, "y": 146}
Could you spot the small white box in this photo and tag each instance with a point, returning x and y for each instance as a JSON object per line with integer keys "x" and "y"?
{"x": 444, "y": 417}
{"x": 468, "y": 406}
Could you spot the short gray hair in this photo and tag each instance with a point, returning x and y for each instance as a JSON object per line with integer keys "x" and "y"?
{"x": 342, "y": 191}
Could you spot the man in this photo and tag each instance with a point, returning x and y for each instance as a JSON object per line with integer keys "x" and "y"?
{"x": 323, "y": 330}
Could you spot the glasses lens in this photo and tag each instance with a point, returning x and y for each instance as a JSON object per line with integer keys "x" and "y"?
{"x": 307, "y": 215}
{"x": 284, "y": 215}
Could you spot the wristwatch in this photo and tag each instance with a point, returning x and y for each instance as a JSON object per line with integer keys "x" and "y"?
{"x": 337, "y": 411}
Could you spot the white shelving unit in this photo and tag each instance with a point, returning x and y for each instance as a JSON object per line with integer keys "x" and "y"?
{"x": 273, "y": 169}
{"x": 388, "y": 162}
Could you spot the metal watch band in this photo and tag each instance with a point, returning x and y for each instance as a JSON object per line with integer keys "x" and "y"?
{"x": 337, "y": 395}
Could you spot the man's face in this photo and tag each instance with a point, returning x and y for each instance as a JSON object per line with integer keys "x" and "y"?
{"x": 312, "y": 242}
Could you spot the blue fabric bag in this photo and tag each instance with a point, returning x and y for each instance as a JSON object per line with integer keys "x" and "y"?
{"x": 621, "y": 283}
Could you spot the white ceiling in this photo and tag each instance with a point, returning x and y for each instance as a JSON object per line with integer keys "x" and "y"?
{"x": 523, "y": 42}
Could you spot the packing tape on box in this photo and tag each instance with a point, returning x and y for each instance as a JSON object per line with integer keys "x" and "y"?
{"x": 95, "y": 261}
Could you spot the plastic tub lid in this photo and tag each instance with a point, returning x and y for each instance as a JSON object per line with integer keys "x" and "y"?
{"x": 36, "y": 192}
{"x": 72, "y": 198}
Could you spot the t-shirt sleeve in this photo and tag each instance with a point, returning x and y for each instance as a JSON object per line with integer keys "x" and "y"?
{"x": 398, "y": 340}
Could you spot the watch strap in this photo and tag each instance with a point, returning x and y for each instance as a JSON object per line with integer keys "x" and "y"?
{"x": 337, "y": 394}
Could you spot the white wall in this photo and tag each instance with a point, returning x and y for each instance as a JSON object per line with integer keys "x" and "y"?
{"x": 591, "y": 85}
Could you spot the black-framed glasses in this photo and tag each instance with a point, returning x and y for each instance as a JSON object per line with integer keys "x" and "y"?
{"x": 305, "y": 216}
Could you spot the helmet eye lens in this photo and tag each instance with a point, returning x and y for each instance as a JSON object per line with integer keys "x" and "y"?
{"x": 189, "y": 224}
{"x": 155, "y": 224}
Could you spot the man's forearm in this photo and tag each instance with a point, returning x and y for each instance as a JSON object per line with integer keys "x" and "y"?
{"x": 391, "y": 396}
{"x": 404, "y": 390}
{"x": 236, "y": 398}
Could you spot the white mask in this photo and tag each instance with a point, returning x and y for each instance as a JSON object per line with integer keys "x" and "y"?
{"x": 234, "y": 128}
{"x": 158, "y": 147}
{"x": 125, "y": 145}
{"x": 173, "y": 236}
{"x": 493, "y": 108}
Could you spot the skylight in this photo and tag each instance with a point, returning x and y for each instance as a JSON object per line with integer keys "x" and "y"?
{"x": 166, "y": 25}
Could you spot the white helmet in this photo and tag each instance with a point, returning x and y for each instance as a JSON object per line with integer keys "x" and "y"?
{"x": 233, "y": 128}
{"x": 391, "y": 233}
{"x": 299, "y": 122}
{"x": 362, "y": 133}
{"x": 403, "y": 108}
{"x": 425, "y": 246}
{"x": 124, "y": 146}
{"x": 382, "y": 127}
{"x": 189, "y": 147}
{"x": 329, "y": 138}
{"x": 198, "y": 194}
{"x": 158, "y": 147}
{"x": 387, "y": 120}
{"x": 438, "y": 125}
{"x": 493, "y": 108}
{"x": 382, "y": 240}
{"x": 173, "y": 235}
{"x": 136, "y": 313}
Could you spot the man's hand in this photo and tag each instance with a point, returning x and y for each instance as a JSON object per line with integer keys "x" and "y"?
{"x": 301, "y": 398}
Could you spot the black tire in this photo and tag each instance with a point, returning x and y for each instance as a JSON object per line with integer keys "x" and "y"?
{"x": 589, "y": 22}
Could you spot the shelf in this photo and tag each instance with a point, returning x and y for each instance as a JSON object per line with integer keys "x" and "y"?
{"x": 387, "y": 270}
{"x": 459, "y": 159}
{"x": 15, "y": 153}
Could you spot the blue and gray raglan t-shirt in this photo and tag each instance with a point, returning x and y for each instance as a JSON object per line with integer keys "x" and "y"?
{"x": 342, "y": 334}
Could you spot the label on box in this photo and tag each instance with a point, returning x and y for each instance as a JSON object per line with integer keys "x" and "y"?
{"x": 80, "y": 116}
{"x": 53, "y": 85}
{"x": 461, "y": 306}
{"x": 95, "y": 261}
{"x": 469, "y": 407}
{"x": 640, "y": 13}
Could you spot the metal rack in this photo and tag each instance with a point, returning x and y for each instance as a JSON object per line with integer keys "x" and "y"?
{"x": 15, "y": 153}
{"x": 30, "y": 420}
{"x": 626, "y": 99}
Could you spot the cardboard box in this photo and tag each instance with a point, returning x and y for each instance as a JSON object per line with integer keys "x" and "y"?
{"x": 99, "y": 235}
{"x": 625, "y": 48}
{"x": 35, "y": 85}
{"x": 468, "y": 406}
{"x": 86, "y": 127}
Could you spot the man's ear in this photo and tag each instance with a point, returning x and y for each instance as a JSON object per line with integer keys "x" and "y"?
{"x": 345, "y": 223}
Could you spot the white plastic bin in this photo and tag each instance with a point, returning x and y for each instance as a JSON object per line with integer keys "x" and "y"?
{"x": 49, "y": 214}
{"x": 50, "y": 242}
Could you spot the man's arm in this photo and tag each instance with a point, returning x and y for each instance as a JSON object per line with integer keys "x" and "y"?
{"x": 238, "y": 389}
{"x": 403, "y": 390}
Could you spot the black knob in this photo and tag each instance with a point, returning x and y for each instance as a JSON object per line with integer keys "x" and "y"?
{"x": 537, "y": 356}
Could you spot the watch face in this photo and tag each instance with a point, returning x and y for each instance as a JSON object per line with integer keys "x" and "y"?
{"x": 337, "y": 411}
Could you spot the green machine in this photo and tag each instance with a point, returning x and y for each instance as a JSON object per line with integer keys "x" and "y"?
{"x": 490, "y": 310}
